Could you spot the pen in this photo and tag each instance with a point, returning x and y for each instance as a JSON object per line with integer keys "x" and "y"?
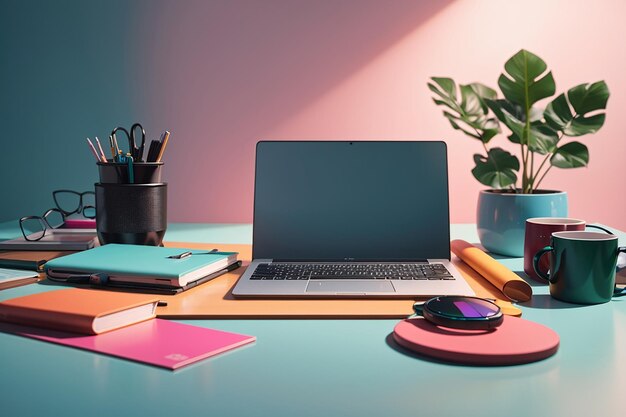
{"x": 131, "y": 171}
{"x": 113, "y": 153}
{"x": 180, "y": 255}
{"x": 188, "y": 254}
{"x": 166, "y": 138}
{"x": 102, "y": 157}
{"x": 153, "y": 150}
{"x": 93, "y": 150}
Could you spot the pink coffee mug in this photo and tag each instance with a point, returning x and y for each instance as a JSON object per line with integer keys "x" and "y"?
{"x": 537, "y": 236}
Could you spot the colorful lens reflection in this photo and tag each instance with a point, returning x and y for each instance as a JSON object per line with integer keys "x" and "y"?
{"x": 463, "y": 307}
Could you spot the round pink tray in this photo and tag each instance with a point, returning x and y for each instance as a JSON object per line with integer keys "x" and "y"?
{"x": 516, "y": 341}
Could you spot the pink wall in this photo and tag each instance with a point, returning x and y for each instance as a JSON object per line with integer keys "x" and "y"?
{"x": 227, "y": 74}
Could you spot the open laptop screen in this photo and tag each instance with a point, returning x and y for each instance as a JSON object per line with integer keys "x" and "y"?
{"x": 328, "y": 200}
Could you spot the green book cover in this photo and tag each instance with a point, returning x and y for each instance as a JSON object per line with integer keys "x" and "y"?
{"x": 138, "y": 263}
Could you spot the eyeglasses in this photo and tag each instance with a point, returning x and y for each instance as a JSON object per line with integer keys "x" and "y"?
{"x": 70, "y": 202}
{"x": 34, "y": 227}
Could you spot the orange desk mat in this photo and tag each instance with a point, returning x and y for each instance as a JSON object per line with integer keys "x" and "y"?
{"x": 215, "y": 300}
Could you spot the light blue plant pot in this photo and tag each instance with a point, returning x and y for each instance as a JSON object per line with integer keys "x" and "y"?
{"x": 501, "y": 217}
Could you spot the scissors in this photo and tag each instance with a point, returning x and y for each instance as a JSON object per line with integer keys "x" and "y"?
{"x": 135, "y": 151}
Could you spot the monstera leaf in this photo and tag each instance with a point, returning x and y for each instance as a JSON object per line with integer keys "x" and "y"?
{"x": 570, "y": 155}
{"x": 469, "y": 114}
{"x": 584, "y": 99}
{"x": 497, "y": 169}
{"x": 523, "y": 82}
{"x": 537, "y": 135}
{"x": 484, "y": 93}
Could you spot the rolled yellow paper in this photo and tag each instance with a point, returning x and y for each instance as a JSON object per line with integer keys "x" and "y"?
{"x": 511, "y": 285}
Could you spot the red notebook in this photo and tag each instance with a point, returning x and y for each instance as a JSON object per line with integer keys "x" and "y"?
{"x": 157, "y": 342}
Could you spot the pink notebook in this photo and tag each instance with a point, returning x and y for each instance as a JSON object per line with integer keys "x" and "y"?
{"x": 158, "y": 342}
{"x": 80, "y": 223}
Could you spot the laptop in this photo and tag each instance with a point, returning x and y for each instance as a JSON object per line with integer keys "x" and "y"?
{"x": 351, "y": 219}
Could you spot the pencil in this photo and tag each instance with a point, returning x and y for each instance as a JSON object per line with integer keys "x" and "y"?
{"x": 102, "y": 157}
{"x": 117, "y": 148}
{"x": 166, "y": 138}
{"x": 93, "y": 150}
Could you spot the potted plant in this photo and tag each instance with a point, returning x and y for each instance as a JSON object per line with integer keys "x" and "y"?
{"x": 541, "y": 135}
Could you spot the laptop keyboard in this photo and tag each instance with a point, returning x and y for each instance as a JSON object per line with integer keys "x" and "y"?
{"x": 307, "y": 271}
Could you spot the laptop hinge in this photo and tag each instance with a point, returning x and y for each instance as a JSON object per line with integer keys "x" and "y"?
{"x": 353, "y": 260}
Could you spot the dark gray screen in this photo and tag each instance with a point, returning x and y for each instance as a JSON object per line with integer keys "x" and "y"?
{"x": 362, "y": 200}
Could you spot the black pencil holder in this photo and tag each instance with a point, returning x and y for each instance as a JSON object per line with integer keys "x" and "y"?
{"x": 131, "y": 213}
{"x": 116, "y": 172}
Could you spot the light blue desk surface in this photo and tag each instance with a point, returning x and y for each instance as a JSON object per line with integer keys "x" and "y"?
{"x": 326, "y": 367}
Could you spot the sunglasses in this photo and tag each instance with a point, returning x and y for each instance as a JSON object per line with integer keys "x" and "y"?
{"x": 460, "y": 312}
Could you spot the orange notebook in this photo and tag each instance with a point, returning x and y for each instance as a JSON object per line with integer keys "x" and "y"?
{"x": 79, "y": 310}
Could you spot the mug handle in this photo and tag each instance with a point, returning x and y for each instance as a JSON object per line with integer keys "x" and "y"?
{"x": 537, "y": 258}
{"x": 598, "y": 227}
{"x": 620, "y": 292}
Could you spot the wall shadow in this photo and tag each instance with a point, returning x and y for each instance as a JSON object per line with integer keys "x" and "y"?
{"x": 220, "y": 74}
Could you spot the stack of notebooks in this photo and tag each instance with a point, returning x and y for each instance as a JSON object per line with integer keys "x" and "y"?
{"x": 113, "y": 323}
{"x": 54, "y": 240}
{"x": 10, "y": 278}
{"x": 29, "y": 260}
{"x": 20, "y": 257}
{"x": 21, "y": 267}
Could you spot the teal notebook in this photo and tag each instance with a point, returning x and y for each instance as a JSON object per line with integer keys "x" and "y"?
{"x": 141, "y": 264}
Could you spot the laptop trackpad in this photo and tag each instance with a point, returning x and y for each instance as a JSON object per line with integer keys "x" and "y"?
{"x": 349, "y": 287}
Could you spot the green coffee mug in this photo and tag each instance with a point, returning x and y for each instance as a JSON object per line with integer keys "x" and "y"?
{"x": 582, "y": 266}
